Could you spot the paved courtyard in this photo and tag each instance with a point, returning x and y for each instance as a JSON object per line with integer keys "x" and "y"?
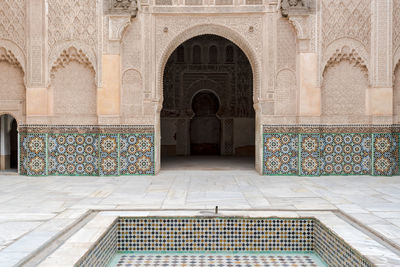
{"x": 33, "y": 210}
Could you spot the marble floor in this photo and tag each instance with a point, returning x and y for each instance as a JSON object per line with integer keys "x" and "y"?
{"x": 213, "y": 260}
{"x": 34, "y": 210}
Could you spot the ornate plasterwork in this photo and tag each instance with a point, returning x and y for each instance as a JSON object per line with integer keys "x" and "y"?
{"x": 295, "y": 6}
{"x": 72, "y": 20}
{"x": 68, "y": 55}
{"x": 181, "y": 29}
{"x": 13, "y": 55}
{"x": 121, "y": 7}
{"x": 346, "y": 18}
{"x": 345, "y": 49}
{"x": 64, "y": 48}
{"x": 346, "y": 53}
{"x": 396, "y": 31}
{"x": 7, "y": 55}
{"x": 12, "y": 21}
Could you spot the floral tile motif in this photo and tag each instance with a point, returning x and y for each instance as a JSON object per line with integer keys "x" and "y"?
{"x": 280, "y": 154}
{"x": 136, "y": 154}
{"x": 345, "y": 154}
{"x": 33, "y": 154}
{"x": 72, "y": 154}
{"x": 386, "y": 154}
{"x": 108, "y": 154}
{"x": 309, "y": 145}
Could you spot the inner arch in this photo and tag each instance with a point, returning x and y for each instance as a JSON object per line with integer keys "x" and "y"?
{"x": 205, "y": 71}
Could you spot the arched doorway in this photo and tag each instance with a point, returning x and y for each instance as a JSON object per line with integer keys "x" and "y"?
{"x": 211, "y": 71}
{"x": 8, "y": 143}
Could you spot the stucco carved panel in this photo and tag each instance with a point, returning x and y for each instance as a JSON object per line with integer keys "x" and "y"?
{"x": 344, "y": 87}
{"x": 12, "y": 21}
{"x": 396, "y": 29}
{"x": 244, "y": 31}
{"x": 286, "y": 45}
{"x": 131, "y": 46}
{"x": 132, "y": 94}
{"x": 74, "y": 90}
{"x": 285, "y": 93}
{"x": 346, "y": 18}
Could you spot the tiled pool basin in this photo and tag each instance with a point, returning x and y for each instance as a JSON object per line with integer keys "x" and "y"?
{"x": 220, "y": 241}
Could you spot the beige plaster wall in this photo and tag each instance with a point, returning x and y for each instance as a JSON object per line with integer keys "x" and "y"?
{"x": 309, "y": 92}
{"x": 109, "y": 94}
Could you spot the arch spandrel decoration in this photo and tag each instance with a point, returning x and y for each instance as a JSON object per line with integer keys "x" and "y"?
{"x": 203, "y": 29}
{"x": 13, "y": 54}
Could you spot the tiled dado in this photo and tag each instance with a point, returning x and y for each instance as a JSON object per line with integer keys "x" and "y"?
{"x": 86, "y": 150}
{"x": 331, "y": 150}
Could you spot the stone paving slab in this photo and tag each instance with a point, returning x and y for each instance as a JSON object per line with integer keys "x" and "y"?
{"x": 43, "y": 201}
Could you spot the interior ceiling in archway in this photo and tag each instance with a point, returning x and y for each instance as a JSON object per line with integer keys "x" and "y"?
{"x": 208, "y": 62}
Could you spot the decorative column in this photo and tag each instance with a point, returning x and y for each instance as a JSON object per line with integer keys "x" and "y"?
{"x": 4, "y": 143}
{"x": 380, "y": 95}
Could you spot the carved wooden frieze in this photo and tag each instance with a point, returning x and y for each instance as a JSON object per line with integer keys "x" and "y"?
{"x": 296, "y": 7}
{"x": 122, "y": 7}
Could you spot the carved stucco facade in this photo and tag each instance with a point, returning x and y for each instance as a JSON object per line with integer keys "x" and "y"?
{"x": 100, "y": 62}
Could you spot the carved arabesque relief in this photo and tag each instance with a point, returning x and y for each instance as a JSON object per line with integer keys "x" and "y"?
{"x": 72, "y": 20}
{"x": 396, "y": 27}
{"x": 346, "y": 18}
{"x": 12, "y": 21}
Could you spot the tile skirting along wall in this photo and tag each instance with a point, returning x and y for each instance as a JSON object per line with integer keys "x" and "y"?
{"x": 319, "y": 150}
{"x": 86, "y": 150}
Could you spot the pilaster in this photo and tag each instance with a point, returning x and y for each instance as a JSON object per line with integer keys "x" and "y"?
{"x": 380, "y": 95}
{"x": 36, "y": 70}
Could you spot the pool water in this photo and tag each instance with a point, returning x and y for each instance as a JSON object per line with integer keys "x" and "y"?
{"x": 216, "y": 259}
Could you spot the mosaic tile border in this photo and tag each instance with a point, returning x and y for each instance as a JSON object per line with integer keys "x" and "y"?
{"x": 334, "y": 250}
{"x": 333, "y": 150}
{"x": 151, "y": 234}
{"x": 103, "y": 251}
{"x": 105, "y": 129}
{"x": 86, "y": 154}
{"x": 337, "y": 128}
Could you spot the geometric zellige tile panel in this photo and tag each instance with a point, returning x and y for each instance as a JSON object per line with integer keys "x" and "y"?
{"x": 186, "y": 234}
